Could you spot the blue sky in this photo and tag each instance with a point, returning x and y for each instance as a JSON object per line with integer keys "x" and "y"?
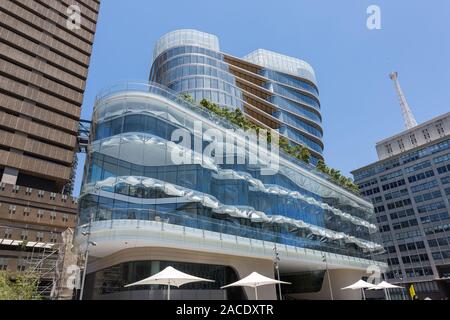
{"x": 352, "y": 63}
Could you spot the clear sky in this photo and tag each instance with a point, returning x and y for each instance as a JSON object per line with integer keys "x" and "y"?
{"x": 352, "y": 63}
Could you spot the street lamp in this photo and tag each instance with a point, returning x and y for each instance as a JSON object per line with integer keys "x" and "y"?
{"x": 277, "y": 258}
{"x": 86, "y": 254}
{"x": 324, "y": 259}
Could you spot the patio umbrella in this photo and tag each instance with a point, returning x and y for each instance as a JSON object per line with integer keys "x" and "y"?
{"x": 254, "y": 280}
{"x": 169, "y": 277}
{"x": 360, "y": 285}
{"x": 386, "y": 286}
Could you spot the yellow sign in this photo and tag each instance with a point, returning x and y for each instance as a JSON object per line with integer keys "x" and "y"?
{"x": 412, "y": 292}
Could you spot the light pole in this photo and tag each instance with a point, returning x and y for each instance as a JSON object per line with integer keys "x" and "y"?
{"x": 277, "y": 258}
{"x": 324, "y": 259}
{"x": 86, "y": 254}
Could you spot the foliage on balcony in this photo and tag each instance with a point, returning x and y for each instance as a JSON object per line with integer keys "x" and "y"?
{"x": 299, "y": 152}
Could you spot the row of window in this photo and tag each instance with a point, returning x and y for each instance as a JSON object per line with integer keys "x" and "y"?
{"x": 369, "y": 183}
{"x": 431, "y": 207}
{"x": 399, "y": 204}
{"x": 417, "y": 167}
{"x": 286, "y": 79}
{"x": 399, "y": 225}
{"x": 39, "y": 213}
{"x": 441, "y": 242}
{"x": 424, "y": 186}
{"x": 408, "y": 234}
{"x": 391, "y": 175}
{"x": 409, "y": 157}
{"x": 443, "y": 169}
{"x": 296, "y": 96}
{"x": 183, "y": 50}
{"x": 296, "y": 108}
{"x": 428, "y": 196}
{"x": 437, "y": 229}
{"x": 415, "y": 258}
{"x": 441, "y": 255}
{"x": 377, "y": 200}
{"x": 435, "y": 218}
{"x": 396, "y": 194}
{"x": 418, "y": 272}
{"x": 421, "y": 176}
{"x": 371, "y": 191}
{"x": 401, "y": 214}
{"x": 300, "y": 138}
{"x": 393, "y": 185}
{"x": 405, "y": 224}
{"x": 441, "y": 159}
{"x": 298, "y": 123}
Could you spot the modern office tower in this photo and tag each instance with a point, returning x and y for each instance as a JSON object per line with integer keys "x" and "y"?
{"x": 149, "y": 201}
{"x": 275, "y": 91}
{"x": 44, "y": 57}
{"x": 410, "y": 188}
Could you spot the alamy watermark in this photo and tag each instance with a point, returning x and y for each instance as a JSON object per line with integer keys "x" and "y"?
{"x": 374, "y": 18}
{"x": 73, "y": 21}
{"x": 253, "y": 147}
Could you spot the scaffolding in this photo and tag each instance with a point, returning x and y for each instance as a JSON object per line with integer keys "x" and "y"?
{"x": 54, "y": 264}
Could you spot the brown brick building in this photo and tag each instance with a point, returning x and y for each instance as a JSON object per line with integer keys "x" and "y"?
{"x": 45, "y": 49}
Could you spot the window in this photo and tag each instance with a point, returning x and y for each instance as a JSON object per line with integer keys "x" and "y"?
{"x": 12, "y": 209}
{"x": 401, "y": 145}
{"x": 389, "y": 149}
{"x": 24, "y": 235}
{"x": 40, "y": 237}
{"x": 26, "y": 212}
{"x": 440, "y": 128}
{"x": 413, "y": 139}
{"x": 426, "y": 134}
{"x": 40, "y": 214}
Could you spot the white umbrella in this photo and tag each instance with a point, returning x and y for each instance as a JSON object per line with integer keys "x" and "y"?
{"x": 254, "y": 280}
{"x": 169, "y": 277}
{"x": 360, "y": 285}
{"x": 386, "y": 286}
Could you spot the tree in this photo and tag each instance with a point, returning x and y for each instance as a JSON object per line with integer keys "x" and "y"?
{"x": 305, "y": 155}
{"x": 19, "y": 286}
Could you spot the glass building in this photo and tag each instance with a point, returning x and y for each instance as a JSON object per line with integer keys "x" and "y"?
{"x": 410, "y": 189}
{"x": 275, "y": 91}
{"x": 148, "y": 200}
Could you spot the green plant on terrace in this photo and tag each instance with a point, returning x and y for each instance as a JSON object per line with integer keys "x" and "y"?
{"x": 237, "y": 117}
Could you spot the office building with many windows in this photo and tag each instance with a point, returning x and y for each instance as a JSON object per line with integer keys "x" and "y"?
{"x": 45, "y": 50}
{"x": 145, "y": 208}
{"x": 410, "y": 189}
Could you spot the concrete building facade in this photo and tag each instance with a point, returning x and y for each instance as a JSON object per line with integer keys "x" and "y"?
{"x": 45, "y": 50}
{"x": 409, "y": 187}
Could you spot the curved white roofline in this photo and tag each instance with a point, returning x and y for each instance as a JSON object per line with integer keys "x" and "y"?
{"x": 186, "y": 37}
{"x": 280, "y": 62}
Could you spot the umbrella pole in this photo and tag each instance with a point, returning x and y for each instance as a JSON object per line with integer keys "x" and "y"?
{"x": 256, "y": 293}
{"x": 363, "y": 294}
{"x": 168, "y": 292}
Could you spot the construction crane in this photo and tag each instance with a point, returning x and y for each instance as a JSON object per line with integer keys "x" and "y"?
{"x": 410, "y": 121}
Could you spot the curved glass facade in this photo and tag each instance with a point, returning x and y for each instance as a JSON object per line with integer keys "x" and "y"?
{"x": 199, "y": 72}
{"x": 130, "y": 174}
{"x": 190, "y": 61}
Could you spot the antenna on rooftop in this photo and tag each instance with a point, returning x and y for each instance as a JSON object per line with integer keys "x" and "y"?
{"x": 410, "y": 121}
